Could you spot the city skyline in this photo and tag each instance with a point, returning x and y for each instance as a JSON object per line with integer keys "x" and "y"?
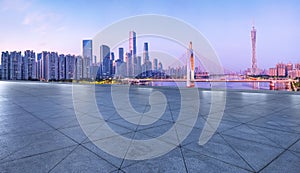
{"x": 53, "y": 66}
{"x": 47, "y": 25}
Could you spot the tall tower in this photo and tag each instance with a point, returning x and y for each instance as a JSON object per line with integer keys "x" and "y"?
{"x": 253, "y": 39}
{"x": 132, "y": 43}
{"x": 105, "y": 57}
{"x": 145, "y": 53}
{"x": 87, "y": 52}
{"x": 121, "y": 54}
{"x": 132, "y": 56}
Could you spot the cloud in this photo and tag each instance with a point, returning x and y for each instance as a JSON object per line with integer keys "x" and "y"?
{"x": 15, "y": 5}
{"x": 42, "y": 21}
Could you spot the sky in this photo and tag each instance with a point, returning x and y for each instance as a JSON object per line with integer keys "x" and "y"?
{"x": 60, "y": 26}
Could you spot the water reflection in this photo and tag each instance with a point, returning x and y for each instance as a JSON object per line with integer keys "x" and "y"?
{"x": 229, "y": 85}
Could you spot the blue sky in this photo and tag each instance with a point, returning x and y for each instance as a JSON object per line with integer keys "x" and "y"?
{"x": 56, "y": 25}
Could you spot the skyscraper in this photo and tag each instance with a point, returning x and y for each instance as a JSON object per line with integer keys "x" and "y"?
{"x": 132, "y": 43}
{"x": 145, "y": 53}
{"x": 105, "y": 59}
{"x": 121, "y": 54}
{"x": 254, "y": 70}
{"x": 147, "y": 65}
{"x": 138, "y": 65}
{"x": 129, "y": 65}
{"x": 111, "y": 64}
{"x": 132, "y": 51}
{"x": 87, "y": 48}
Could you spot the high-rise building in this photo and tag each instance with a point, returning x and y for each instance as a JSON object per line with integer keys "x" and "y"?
{"x": 16, "y": 65}
{"x": 70, "y": 67}
{"x": 6, "y": 66}
{"x": 297, "y": 66}
{"x": 129, "y": 64}
{"x": 105, "y": 59}
{"x": 132, "y": 43}
{"x": 50, "y": 66}
{"x": 32, "y": 66}
{"x": 62, "y": 67}
{"x": 79, "y": 65}
{"x": 145, "y": 53}
{"x": 24, "y": 67}
{"x": 160, "y": 66}
{"x": 281, "y": 70}
{"x": 132, "y": 57}
{"x": 138, "y": 65}
{"x": 111, "y": 64}
{"x": 53, "y": 66}
{"x": 254, "y": 70}
{"x": 46, "y": 66}
{"x": 12, "y": 66}
{"x": 94, "y": 69}
{"x": 147, "y": 65}
{"x": 155, "y": 64}
{"x": 87, "y": 52}
{"x": 121, "y": 54}
{"x": 273, "y": 72}
{"x": 40, "y": 67}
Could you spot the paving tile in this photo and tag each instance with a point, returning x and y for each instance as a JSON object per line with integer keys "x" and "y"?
{"x": 10, "y": 143}
{"x": 40, "y": 143}
{"x": 196, "y": 162}
{"x": 77, "y": 133}
{"x": 37, "y": 163}
{"x": 296, "y": 147}
{"x": 219, "y": 149}
{"x": 82, "y": 160}
{"x": 118, "y": 162}
{"x": 287, "y": 162}
{"x": 17, "y": 118}
{"x": 101, "y": 132}
{"x": 257, "y": 155}
{"x": 171, "y": 162}
{"x": 247, "y": 133}
{"x": 281, "y": 138}
{"x": 23, "y": 128}
{"x": 60, "y": 122}
{"x": 278, "y": 123}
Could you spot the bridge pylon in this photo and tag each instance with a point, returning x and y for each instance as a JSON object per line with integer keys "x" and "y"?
{"x": 190, "y": 67}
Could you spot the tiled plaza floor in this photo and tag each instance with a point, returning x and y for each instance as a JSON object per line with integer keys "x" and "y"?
{"x": 39, "y": 131}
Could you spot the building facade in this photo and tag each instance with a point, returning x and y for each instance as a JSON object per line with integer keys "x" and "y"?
{"x": 87, "y": 54}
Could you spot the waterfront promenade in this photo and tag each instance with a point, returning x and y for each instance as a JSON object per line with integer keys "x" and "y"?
{"x": 39, "y": 131}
